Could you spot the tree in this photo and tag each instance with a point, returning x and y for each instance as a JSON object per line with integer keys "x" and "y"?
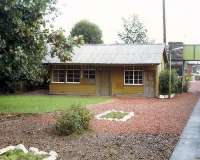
{"x": 23, "y": 40}
{"x": 134, "y": 31}
{"x": 91, "y": 32}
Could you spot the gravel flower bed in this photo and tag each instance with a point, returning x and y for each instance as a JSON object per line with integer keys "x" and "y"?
{"x": 114, "y": 115}
{"x": 151, "y": 135}
{"x": 36, "y": 131}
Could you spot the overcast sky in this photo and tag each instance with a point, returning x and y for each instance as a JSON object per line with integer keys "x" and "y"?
{"x": 183, "y": 17}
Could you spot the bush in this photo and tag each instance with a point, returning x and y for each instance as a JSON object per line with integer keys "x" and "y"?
{"x": 179, "y": 86}
{"x": 164, "y": 81}
{"x": 75, "y": 120}
{"x": 185, "y": 86}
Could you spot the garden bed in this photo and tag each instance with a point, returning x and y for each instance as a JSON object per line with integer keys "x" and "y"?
{"x": 90, "y": 145}
{"x": 114, "y": 115}
{"x": 151, "y": 134}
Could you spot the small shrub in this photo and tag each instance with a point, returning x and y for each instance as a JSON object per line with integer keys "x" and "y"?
{"x": 75, "y": 120}
{"x": 185, "y": 85}
{"x": 179, "y": 86}
{"x": 164, "y": 81}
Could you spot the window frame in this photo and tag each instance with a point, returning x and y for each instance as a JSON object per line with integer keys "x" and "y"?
{"x": 52, "y": 79}
{"x": 133, "y": 70}
{"x": 88, "y": 76}
{"x": 73, "y": 76}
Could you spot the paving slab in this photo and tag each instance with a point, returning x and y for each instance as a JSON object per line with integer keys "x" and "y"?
{"x": 188, "y": 147}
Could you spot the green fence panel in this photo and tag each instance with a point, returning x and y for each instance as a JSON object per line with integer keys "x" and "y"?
{"x": 188, "y": 52}
{"x": 197, "y": 52}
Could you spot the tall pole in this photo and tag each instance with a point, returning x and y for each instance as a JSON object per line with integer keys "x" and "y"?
{"x": 164, "y": 24}
{"x": 165, "y": 42}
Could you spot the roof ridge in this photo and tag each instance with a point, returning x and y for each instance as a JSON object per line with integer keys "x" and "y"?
{"x": 121, "y": 44}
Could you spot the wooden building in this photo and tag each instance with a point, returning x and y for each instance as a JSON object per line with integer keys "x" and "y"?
{"x": 109, "y": 70}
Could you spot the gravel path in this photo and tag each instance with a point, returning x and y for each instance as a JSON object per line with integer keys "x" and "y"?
{"x": 151, "y": 115}
{"x": 150, "y": 135}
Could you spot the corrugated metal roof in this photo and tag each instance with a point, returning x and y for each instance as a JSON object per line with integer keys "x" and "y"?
{"x": 114, "y": 54}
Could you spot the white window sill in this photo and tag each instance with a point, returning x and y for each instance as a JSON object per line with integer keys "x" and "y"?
{"x": 66, "y": 82}
{"x": 133, "y": 84}
{"x": 58, "y": 82}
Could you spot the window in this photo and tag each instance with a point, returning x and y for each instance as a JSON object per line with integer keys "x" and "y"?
{"x": 58, "y": 76}
{"x": 133, "y": 76}
{"x": 89, "y": 74}
{"x": 73, "y": 76}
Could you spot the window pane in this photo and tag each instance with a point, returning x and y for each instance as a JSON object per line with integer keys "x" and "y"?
{"x": 135, "y": 81}
{"x": 140, "y": 82}
{"x": 136, "y": 73}
{"x": 92, "y": 76}
{"x": 89, "y": 74}
{"x": 69, "y": 79}
{"x": 70, "y": 72}
{"x": 91, "y": 71}
{"x": 126, "y": 81}
{"x": 76, "y": 80}
{"x": 126, "y": 73}
{"x": 61, "y": 79}
{"x": 131, "y": 77}
{"x": 76, "y": 71}
{"x": 131, "y": 81}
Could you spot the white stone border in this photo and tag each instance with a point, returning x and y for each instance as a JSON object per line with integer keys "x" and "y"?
{"x": 52, "y": 155}
{"x": 166, "y": 96}
{"x": 125, "y": 118}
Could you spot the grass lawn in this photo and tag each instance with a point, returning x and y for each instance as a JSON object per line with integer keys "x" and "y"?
{"x": 44, "y": 103}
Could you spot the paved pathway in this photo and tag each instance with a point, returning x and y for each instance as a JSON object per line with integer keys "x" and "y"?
{"x": 188, "y": 147}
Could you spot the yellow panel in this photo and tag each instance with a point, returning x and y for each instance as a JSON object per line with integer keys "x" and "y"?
{"x": 69, "y": 88}
{"x": 118, "y": 87}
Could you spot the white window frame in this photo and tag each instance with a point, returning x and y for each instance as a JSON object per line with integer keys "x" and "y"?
{"x": 89, "y": 74}
{"x": 133, "y": 70}
{"x": 73, "y": 77}
{"x": 52, "y": 81}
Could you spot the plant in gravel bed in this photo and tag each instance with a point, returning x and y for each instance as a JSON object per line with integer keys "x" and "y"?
{"x": 20, "y": 155}
{"x": 74, "y": 120}
{"x": 117, "y": 115}
{"x": 164, "y": 81}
